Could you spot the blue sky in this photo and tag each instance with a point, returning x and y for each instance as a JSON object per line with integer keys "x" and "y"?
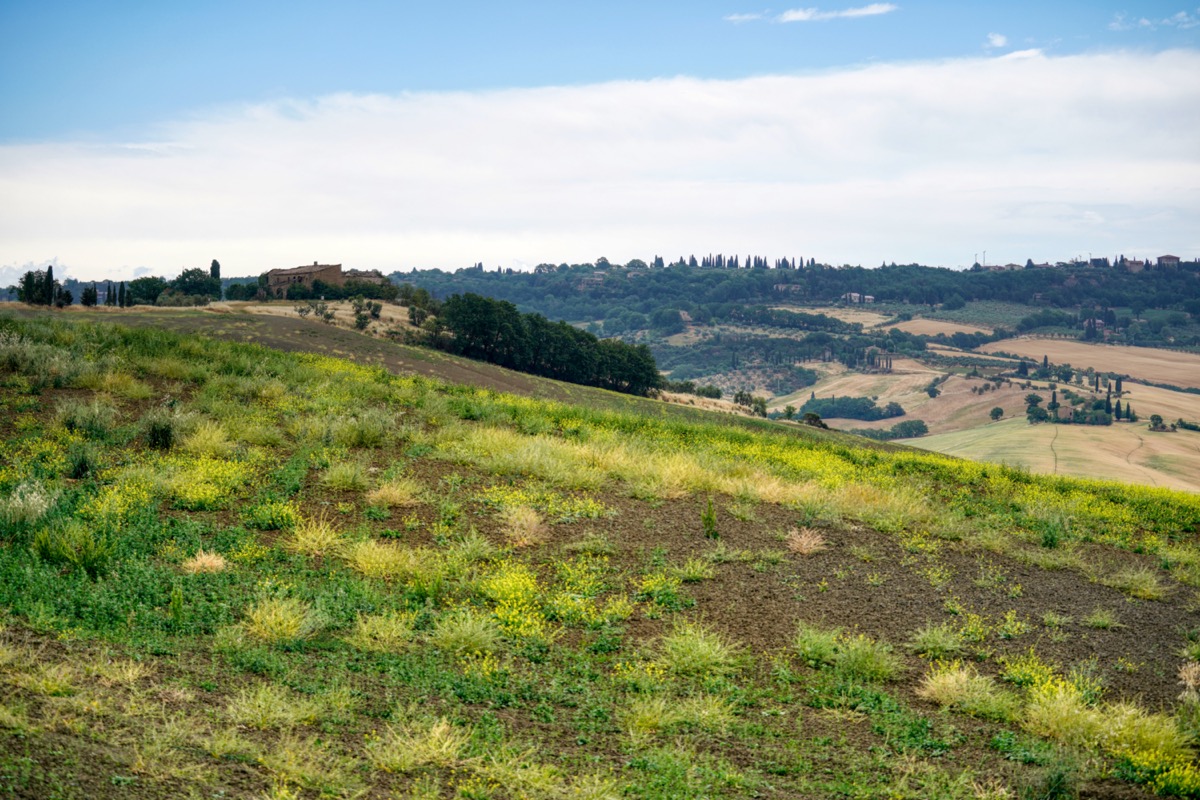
{"x": 150, "y": 136}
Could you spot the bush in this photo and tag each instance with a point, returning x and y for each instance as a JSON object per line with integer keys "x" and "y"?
{"x": 159, "y": 429}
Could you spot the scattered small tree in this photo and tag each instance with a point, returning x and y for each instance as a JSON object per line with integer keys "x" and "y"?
{"x": 997, "y": 413}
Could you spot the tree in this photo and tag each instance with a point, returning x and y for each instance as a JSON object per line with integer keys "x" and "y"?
{"x": 1156, "y": 422}
{"x": 145, "y": 290}
{"x": 196, "y": 283}
{"x": 1033, "y": 400}
{"x": 1036, "y": 414}
{"x": 997, "y": 413}
{"x": 88, "y": 296}
{"x": 48, "y": 287}
{"x": 1117, "y": 410}
{"x": 122, "y": 296}
{"x": 214, "y": 269}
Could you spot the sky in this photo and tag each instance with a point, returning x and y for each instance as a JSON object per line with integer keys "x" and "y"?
{"x": 145, "y": 138}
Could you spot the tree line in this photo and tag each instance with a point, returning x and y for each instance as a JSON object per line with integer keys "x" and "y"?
{"x": 493, "y": 330}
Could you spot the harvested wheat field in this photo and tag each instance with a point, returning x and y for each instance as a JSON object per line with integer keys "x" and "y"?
{"x": 1123, "y": 451}
{"x": 932, "y": 327}
{"x": 1144, "y": 363}
{"x": 868, "y": 319}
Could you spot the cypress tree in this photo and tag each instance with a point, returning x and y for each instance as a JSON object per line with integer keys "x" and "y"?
{"x": 49, "y": 288}
{"x": 121, "y": 296}
{"x": 1117, "y": 412}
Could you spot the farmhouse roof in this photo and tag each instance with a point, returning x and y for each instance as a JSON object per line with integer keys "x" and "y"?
{"x": 306, "y": 269}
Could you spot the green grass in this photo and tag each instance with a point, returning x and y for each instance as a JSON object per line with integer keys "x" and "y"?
{"x": 190, "y": 580}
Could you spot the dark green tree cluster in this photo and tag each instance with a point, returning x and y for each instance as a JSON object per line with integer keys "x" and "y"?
{"x": 495, "y": 331}
{"x": 321, "y": 290}
{"x": 863, "y": 408}
{"x": 39, "y": 288}
{"x": 909, "y": 429}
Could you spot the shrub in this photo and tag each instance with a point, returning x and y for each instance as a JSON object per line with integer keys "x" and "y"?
{"x": 691, "y": 650}
{"x": 159, "y": 429}
{"x": 76, "y": 544}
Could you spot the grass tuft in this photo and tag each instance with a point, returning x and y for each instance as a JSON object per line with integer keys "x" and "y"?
{"x": 281, "y": 621}
{"x": 936, "y": 641}
{"x": 203, "y": 562}
{"x": 389, "y": 632}
{"x": 412, "y": 747}
{"x": 958, "y": 686}
{"x": 396, "y": 493}
{"x": 523, "y": 526}
{"x": 1142, "y": 583}
{"x": 315, "y": 537}
{"x": 345, "y": 476}
{"x": 805, "y": 541}
{"x": 691, "y": 650}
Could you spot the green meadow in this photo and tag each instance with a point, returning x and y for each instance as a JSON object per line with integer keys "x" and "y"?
{"x": 231, "y": 571}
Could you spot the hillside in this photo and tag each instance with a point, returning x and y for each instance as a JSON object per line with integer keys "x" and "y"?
{"x": 231, "y": 570}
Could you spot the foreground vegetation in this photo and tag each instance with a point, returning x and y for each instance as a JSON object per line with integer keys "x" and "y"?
{"x": 231, "y": 570}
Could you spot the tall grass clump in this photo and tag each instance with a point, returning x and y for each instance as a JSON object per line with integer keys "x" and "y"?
{"x": 523, "y": 526}
{"x": 961, "y": 687}
{"x": 28, "y": 503}
{"x": 315, "y": 537}
{"x": 208, "y": 440}
{"x": 282, "y": 621}
{"x": 1141, "y": 583}
{"x": 853, "y": 657}
{"x": 204, "y": 561}
{"x": 389, "y": 632}
{"x": 77, "y": 544}
{"x": 92, "y": 419}
{"x": 936, "y": 641}
{"x": 413, "y": 746}
{"x": 396, "y": 493}
{"x": 346, "y": 476}
{"x": 465, "y": 632}
{"x": 265, "y": 706}
{"x": 369, "y": 428}
{"x": 692, "y": 650}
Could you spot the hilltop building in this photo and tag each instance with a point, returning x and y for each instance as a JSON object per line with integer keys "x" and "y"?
{"x": 278, "y": 280}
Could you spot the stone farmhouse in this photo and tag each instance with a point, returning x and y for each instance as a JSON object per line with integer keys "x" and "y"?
{"x": 278, "y": 280}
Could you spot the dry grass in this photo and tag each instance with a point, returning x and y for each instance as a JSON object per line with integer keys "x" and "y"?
{"x": 1157, "y": 366}
{"x": 315, "y": 536}
{"x": 396, "y": 493}
{"x": 961, "y": 687}
{"x": 208, "y": 439}
{"x": 523, "y": 526}
{"x": 203, "y": 562}
{"x": 805, "y": 541}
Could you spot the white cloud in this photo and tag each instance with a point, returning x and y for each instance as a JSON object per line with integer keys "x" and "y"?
{"x": 996, "y": 40}
{"x": 737, "y": 19}
{"x": 917, "y": 161}
{"x": 1015, "y": 55}
{"x": 1182, "y": 20}
{"x": 815, "y": 14}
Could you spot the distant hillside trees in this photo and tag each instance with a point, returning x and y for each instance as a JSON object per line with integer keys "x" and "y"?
{"x": 495, "y": 331}
{"x": 863, "y": 408}
{"x": 909, "y": 429}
